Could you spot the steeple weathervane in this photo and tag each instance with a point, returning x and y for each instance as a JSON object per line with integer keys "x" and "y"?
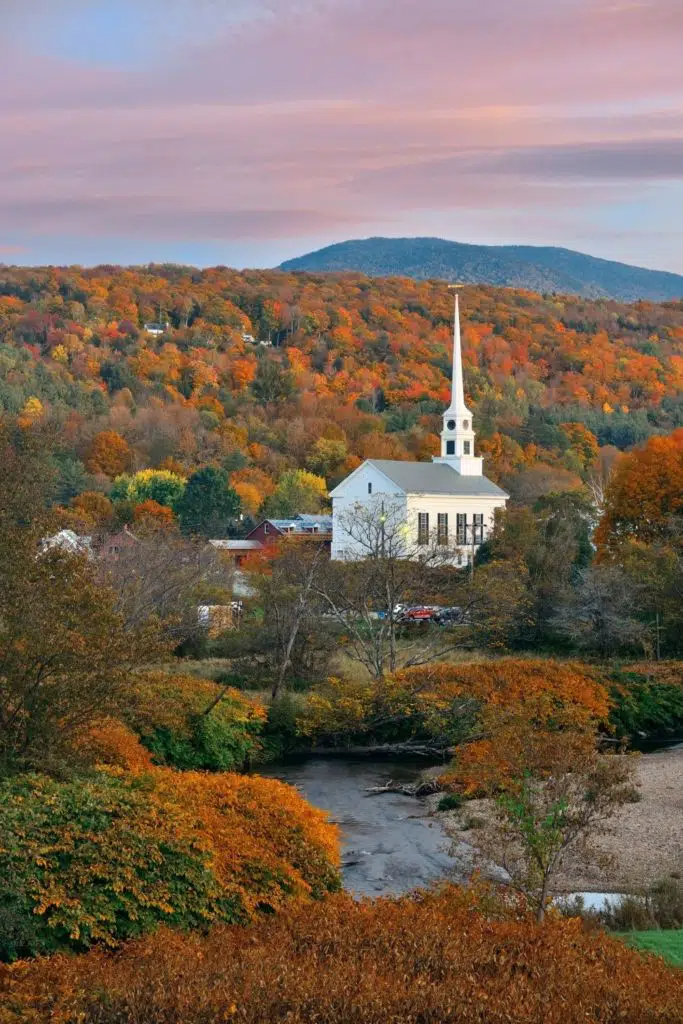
{"x": 457, "y": 436}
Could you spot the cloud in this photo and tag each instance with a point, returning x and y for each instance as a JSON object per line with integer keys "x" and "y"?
{"x": 303, "y": 117}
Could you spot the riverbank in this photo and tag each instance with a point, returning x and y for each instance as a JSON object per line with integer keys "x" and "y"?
{"x": 645, "y": 839}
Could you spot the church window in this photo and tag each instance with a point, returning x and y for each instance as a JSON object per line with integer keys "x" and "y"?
{"x": 442, "y": 528}
{"x": 478, "y": 529}
{"x": 451, "y": 424}
{"x": 423, "y": 528}
{"x": 370, "y": 488}
{"x": 461, "y": 528}
{"x": 467, "y": 448}
{"x": 450, "y": 447}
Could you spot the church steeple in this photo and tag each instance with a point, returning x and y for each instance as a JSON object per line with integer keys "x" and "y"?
{"x": 457, "y": 436}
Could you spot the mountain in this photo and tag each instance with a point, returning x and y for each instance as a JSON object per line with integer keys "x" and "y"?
{"x": 537, "y": 268}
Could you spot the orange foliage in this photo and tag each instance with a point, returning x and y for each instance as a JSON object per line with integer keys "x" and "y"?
{"x": 153, "y": 515}
{"x": 446, "y": 958}
{"x": 528, "y": 709}
{"x": 109, "y": 453}
{"x": 94, "y": 506}
{"x": 644, "y": 492}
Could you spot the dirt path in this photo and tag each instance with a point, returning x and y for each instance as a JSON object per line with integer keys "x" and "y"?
{"x": 646, "y": 837}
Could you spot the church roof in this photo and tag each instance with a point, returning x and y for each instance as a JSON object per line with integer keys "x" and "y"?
{"x": 436, "y": 478}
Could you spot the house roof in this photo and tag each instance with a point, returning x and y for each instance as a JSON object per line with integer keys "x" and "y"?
{"x": 436, "y": 478}
{"x": 236, "y": 545}
{"x": 302, "y": 523}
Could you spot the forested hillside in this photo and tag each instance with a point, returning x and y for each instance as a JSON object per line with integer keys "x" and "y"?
{"x": 351, "y": 368}
{"x": 541, "y": 268}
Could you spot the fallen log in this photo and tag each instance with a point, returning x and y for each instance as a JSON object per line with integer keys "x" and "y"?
{"x": 420, "y": 789}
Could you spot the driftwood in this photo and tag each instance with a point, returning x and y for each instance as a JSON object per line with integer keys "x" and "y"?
{"x": 420, "y": 789}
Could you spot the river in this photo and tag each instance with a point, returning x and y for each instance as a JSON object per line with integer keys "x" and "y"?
{"x": 390, "y": 844}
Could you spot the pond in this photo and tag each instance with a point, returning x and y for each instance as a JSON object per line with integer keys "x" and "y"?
{"x": 390, "y": 844}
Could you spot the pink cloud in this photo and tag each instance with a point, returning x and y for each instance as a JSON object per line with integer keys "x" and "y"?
{"x": 330, "y": 116}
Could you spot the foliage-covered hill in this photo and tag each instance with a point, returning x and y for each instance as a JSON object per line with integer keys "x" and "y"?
{"x": 353, "y": 368}
{"x": 539, "y": 268}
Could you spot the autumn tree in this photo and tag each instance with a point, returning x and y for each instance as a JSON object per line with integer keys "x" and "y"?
{"x": 644, "y": 493}
{"x": 65, "y": 652}
{"x": 109, "y": 454}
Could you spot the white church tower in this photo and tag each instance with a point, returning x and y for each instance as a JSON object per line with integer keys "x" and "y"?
{"x": 457, "y": 436}
{"x": 447, "y": 501}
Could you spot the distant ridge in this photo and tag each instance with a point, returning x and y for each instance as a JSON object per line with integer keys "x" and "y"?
{"x": 537, "y": 268}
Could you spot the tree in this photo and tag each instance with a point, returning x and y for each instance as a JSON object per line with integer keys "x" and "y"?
{"x": 65, "y": 654}
{"x": 552, "y": 540}
{"x": 272, "y": 383}
{"x": 538, "y": 822}
{"x": 291, "y": 604}
{"x": 599, "y": 615}
{"x": 365, "y": 595}
{"x": 165, "y": 577}
{"x": 644, "y": 493}
{"x": 209, "y": 504}
{"x": 160, "y": 485}
{"x": 298, "y": 491}
{"x": 109, "y": 453}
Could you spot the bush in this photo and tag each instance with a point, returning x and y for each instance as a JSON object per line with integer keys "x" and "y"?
{"x": 661, "y": 906}
{"x": 450, "y": 802}
{"x": 113, "y": 856}
{"x": 437, "y": 958}
{"x": 647, "y": 701}
{"x": 194, "y": 724}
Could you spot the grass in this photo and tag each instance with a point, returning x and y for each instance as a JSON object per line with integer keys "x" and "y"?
{"x": 668, "y": 944}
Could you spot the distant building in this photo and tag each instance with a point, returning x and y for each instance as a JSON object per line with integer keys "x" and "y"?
{"x": 112, "y": 546}
{"x": 156, "y": 329}
{"x": 67, "y": 540}
{"x": 238, "y": 550}
{"x": 302, "y": 525}
{"x": 448, "y": 501}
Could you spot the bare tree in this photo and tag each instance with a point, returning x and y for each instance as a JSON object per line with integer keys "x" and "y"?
{"x": 600, "y": 614}
{"x": 166, "y": 577}
{"x": 290, "y": 599}
{"x": 386, "y": 569}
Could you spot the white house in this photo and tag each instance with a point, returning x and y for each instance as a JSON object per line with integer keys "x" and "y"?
{"x": 447, "y": 501}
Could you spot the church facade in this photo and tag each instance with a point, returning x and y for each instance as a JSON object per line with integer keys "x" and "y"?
{"x": 446, "y": 502}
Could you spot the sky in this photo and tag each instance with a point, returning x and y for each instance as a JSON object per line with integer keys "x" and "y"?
{"x": 245, "y": 132}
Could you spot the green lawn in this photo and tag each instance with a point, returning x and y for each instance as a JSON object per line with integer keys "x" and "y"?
{"x": 668, "y": 944}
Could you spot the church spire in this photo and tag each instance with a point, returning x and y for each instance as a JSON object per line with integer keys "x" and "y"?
{"x": 457, "y": 436}
{"x": 457, "y": 406}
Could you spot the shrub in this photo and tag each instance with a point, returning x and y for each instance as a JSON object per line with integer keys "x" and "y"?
{"x": 194, "y": 724}
{"x": 113, "y": 856}
{"x": 439, "y": 958}
{"x": 647, "y": 699}
{"x": 450, "y": 802}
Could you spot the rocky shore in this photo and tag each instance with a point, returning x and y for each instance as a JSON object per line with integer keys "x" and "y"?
{"x": 645, "y": 838}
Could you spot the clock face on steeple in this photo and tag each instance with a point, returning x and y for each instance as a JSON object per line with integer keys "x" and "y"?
{"x": 451, "y": 425}
{"x": 465, "y": 424}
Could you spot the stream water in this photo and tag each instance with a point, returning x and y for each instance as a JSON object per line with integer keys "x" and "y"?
{"x": 390, "y": 844}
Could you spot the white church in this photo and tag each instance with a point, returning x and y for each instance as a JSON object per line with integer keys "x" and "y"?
{"x": 448, "y": 501}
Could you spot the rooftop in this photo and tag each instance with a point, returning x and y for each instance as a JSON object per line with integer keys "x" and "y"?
{"x": 436, "y": 478}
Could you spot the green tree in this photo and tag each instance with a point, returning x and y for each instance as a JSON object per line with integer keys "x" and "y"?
{"x": 272, "y": 383}
{"x": 208, "y": 504}
{"x": 297, "y": 492}
{"x": 160, "y": 485}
